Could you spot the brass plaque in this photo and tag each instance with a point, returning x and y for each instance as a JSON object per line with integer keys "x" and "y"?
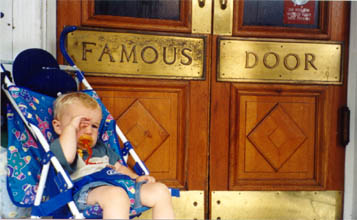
{"x": 190, "y": 205}
{"x": 280, "y": 61}
{"x": 137, "y": 55}
{"x": 309, "y": 205}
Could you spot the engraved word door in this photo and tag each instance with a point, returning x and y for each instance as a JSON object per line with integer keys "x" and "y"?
{"x": 260, "y": 122}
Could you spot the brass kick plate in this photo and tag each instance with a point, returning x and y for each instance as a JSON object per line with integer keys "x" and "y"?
{"x": 277, "y": 205}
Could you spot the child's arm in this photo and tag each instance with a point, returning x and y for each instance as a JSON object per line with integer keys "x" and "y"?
{"x": 127, "y": 171}
{"x": 68, "y": 139}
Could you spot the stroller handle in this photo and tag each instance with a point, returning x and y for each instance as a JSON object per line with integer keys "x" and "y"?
{"x": 63, "y": 37}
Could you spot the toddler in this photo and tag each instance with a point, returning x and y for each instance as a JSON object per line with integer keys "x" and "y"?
{"x": 78, "y": 115}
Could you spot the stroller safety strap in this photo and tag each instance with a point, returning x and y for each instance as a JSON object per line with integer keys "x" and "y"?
{"x": 50, "y": 206}
{"x": 110, "y": 176}
{"x": 106, "y": 175}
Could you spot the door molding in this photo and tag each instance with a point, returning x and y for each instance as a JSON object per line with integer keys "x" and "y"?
{"x": 350, "y": 194}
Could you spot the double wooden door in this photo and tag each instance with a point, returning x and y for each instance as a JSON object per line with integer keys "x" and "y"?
{"x": 217, "y": 135}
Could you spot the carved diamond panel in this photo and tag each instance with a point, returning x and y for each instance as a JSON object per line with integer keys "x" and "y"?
{"x": 143, "y": 132}
{"x": 277, "y": 137}
{"x": 152, "y": 119}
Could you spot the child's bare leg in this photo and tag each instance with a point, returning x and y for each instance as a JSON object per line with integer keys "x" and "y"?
{"x": 113, "y": 200}
{"x": 157, "y": 196}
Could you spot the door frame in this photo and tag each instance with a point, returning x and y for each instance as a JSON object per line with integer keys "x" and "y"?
{"x": 350, "y": 193}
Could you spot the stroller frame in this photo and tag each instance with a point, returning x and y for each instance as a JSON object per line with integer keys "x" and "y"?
{"x": 127, "y": 149}
{"x": 38, "y": 136}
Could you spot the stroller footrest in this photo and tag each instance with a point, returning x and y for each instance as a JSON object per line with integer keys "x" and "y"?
{"x": 175, "y": 192}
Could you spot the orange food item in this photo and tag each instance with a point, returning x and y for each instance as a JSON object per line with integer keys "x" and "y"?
{"x": 84, "y": 143}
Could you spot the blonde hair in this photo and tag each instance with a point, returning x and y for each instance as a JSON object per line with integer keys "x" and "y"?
{"x": 73, "y": 97}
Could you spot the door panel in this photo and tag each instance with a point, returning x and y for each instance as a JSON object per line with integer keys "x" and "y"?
{"x": 155, "y": 9}
{"x": 251, "y": 18}
{"x": 156, "y": 116}
{"x": 276, "y": 137}
{"x": 153, "y": 120}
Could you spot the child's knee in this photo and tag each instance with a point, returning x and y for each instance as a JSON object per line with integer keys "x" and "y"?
{"x": 112, "y": 195}
{"x": 153, "y": 194}
{"x": 117, "y": 193}
{"x": 161, "y": 190}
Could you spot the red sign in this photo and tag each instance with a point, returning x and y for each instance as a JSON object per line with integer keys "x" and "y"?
{"x": 299, "y": 12}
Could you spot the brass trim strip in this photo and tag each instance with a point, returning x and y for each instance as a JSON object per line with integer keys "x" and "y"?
{"x": 190, "y": 205}
{"x": 201, "y": 16}
{"x": 223, "y": 17}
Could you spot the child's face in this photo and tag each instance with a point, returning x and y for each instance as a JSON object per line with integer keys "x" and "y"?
{"x": 89, "y": 125}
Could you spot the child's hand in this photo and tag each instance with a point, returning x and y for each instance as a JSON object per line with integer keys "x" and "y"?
{"x": 68, "y": 136}
{"x": 148, "y": 179}
{"x": 125, "y": 170}
{"x": 84, "y": 122}
{"x": 78, "y": 121}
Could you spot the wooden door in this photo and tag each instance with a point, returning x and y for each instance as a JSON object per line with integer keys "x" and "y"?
{"x": 225, "y": 137}
{"x": 272, "y": 137}
{"x": 307, "y": 131}
{"x": 166, "y": 120}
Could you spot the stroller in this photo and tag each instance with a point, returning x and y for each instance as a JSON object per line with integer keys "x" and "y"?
{"x": 35, "y": 177}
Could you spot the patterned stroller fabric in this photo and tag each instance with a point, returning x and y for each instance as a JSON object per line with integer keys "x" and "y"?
{"x": 24, "y": 154}
{"x": 26, "y": 157}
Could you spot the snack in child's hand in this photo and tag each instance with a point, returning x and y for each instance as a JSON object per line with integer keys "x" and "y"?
{"x": 84, "y": 144}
